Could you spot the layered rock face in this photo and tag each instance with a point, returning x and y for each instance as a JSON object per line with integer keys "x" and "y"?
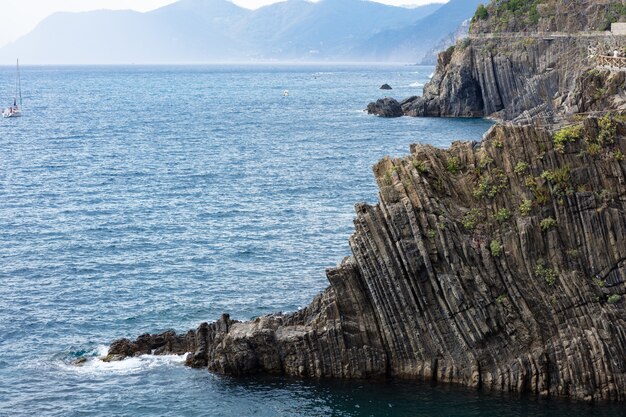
{"x": 525, "y": 62}
{"x": 499, "y": 264}
{"x": 516, "y": 78}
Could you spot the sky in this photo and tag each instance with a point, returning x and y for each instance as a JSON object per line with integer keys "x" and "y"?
{"x": 18, "y": 17}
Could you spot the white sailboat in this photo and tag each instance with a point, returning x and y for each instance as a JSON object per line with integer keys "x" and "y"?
{"x": 15, "y": 110}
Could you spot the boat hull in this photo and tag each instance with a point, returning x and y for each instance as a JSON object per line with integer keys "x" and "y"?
{"x": 15, "y": 113}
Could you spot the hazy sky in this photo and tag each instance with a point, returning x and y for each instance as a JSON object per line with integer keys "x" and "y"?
{"x": 18, "y": 17}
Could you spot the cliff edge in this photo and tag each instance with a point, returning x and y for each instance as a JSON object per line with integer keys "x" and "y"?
{"x": 527, "y": 61}
{"x": 499, "y": 264}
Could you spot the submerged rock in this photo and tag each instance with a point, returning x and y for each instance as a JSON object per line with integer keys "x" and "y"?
{"x": 385, "y": 107}
{"x": 499, "y": 264}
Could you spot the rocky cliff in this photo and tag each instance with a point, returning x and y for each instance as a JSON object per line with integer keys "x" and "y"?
{"x": 520, "y": 16}
{"x": 516, "y": 65}
{"x": 499, "y": 264}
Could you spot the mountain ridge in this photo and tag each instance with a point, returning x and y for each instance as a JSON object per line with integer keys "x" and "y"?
{"x": 203, "y": 31}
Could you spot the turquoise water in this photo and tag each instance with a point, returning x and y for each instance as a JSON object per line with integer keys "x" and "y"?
{"x": 137, "y": 199}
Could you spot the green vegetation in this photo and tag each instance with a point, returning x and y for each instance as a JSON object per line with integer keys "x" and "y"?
{"x": 481, "y": 13}
{"x": 548, "y": 223}
{"x": 540, "y": 193}
{"x": 593, "y": 148}
{"x": 565, "y": 135}
{"x": 496, "y": 248}
{"x": 616, "y": 11}
{"x": 521, "y": 167}
{"x": 572, "y": 253}
{"x": 606, "y": 135}
{"x": 502, "y": 215}
{"x": 600, "y": 282}
{"x": 388, "y": 178}
{"x": 517, "y": 12}
{"x": 614, "y": 299}
{"x": 471, "y": 219}
{"x": 420, "y": 166}
{"x": 491, "y": 183}
{"x": 557, "y": 176}
{"x": 431, "y": 233}
{"x": 526, "y": 207}
{"x": 501, "y": 299}
{"x": 530, "y": 182}
{"x": 549, "y": 275}
{"x": 618, "y": 155}
{"x": 559, "y": 179}
{"x": 608, "y": 130}
{"x": 498, "y": 143}
{"x": 599, "y": 93}
{"x": 485, "y": 161}
{"x": 453, "y": 165}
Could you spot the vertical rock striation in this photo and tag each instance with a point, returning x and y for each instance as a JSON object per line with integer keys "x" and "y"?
{"x": 499, "y": 264}
{"x": 524, "y": 61}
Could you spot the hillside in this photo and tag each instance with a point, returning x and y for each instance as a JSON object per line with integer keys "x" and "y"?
{"x": 196, "y": 31}
{"x": 418, "y": 39}
{"x": 516, "y": 66}
{"x": 548, "y": 16}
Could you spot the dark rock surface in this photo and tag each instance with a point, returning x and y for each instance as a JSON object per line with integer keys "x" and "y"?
{"x": 385, "y": 107}
{"x": 498, "y": 264}
{"x": 527, "y": 74}
{"x": 385, "y": 87}
{"x": 505, "y": 78}
{"x": 427, "y": 294}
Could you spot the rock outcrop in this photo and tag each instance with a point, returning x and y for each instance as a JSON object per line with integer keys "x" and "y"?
{"x": 525, "y": 69}
{"x": 385, "y": 107}
{"x": 508, "y": 78}
{"x": 499, "y": 264}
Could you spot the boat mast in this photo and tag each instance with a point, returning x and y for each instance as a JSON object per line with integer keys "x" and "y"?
{"x": 19, "y": 81}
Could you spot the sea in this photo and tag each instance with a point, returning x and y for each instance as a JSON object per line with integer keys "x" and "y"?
{"x": 143, "y": 198}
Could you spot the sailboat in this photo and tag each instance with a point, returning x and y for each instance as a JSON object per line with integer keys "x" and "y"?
{"x": 15, "y": 110}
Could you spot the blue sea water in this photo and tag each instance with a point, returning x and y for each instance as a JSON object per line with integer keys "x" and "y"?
{"x": 137, "y": 199}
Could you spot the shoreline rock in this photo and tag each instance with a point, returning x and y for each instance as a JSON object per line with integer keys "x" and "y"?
{"x": 385, "y": 107}
{"x": 499, "y": 265}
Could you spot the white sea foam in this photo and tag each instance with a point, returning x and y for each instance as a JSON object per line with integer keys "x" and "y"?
{"x": 95, "y": 365}
{"x": 416, "y": 84}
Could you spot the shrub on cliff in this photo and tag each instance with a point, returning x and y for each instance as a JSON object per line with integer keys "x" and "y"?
{"x": 481, "y": 13}
{"x": 565, "y": 135}
{"x": 496, "y": 248}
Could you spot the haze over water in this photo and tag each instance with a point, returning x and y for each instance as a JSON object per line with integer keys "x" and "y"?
{"x": 137, "y": 199}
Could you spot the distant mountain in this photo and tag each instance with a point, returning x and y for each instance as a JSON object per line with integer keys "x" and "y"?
{"x": 199, "y": 31}
{"x": 430, "y": 58}
{"x": 329, "y": 29}
{"x": 412, "y": 42}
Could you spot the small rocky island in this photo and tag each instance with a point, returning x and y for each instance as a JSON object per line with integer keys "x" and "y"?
{"x": 498, "y": 264}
